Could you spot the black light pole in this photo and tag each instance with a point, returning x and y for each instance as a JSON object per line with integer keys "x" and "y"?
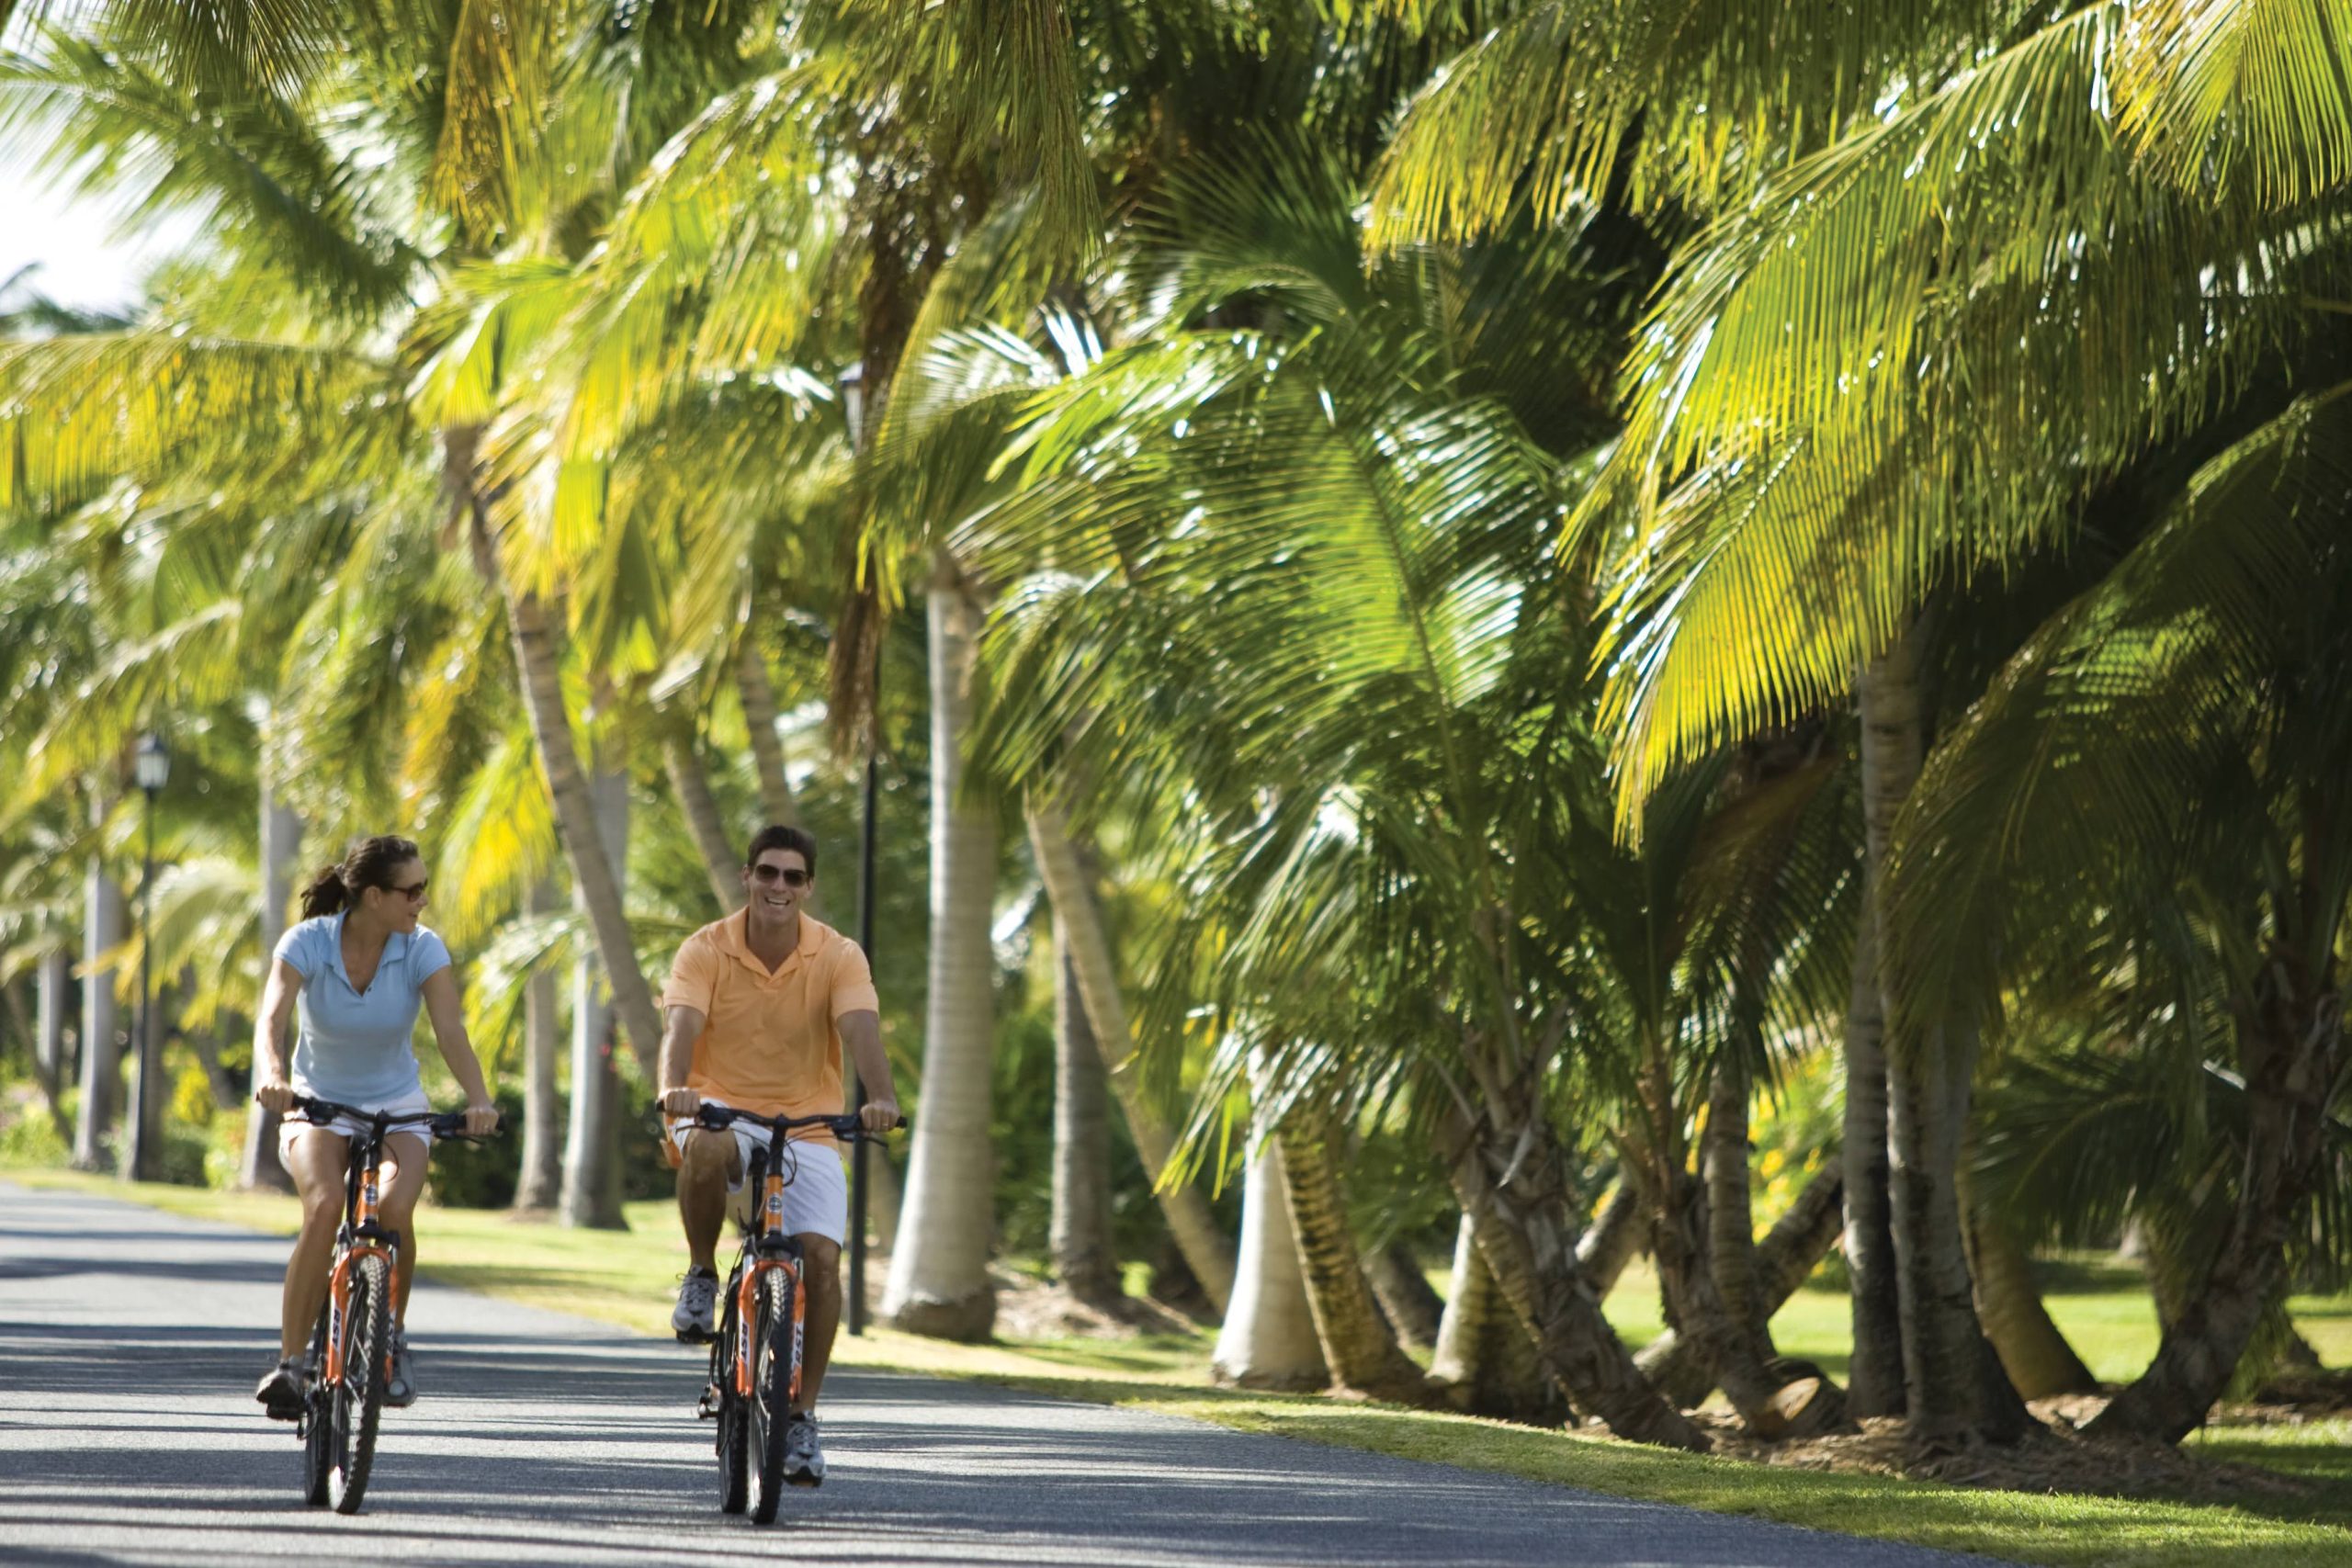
{"x": 853, "y": 385}
{"x": 152, "y": 767}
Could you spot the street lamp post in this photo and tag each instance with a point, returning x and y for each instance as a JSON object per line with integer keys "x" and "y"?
{"x": 853, "y": 388}
{"x": 152, "y": 765}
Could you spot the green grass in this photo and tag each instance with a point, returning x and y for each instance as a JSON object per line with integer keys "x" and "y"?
{"x": 626, "y": 1279}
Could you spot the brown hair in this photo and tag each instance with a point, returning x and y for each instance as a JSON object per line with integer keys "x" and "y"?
{"x": 368, "y": 863}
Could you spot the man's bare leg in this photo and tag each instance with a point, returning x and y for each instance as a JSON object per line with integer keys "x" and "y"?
{"x": 820, "y": 1276}
{"x": 711, "y": 1163}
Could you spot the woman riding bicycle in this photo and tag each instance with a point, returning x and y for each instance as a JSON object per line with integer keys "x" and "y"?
{"x": 357, "y": 967}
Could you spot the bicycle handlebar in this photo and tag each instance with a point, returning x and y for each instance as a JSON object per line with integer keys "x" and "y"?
{"x": 443, "y": 1123}
{"x": 718, "y": 1118}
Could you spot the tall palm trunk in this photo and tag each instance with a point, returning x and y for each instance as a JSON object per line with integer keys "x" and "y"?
{"x": 2290, "y": 1047}
{"x": 1875, "y": 1374}
{"x": 538, "y": 660}
{"x": 1527, "y": 1238}
{"x": 1358, "y": 1347}
{"x": 757, "y": 697}
{"x": 939, "y": 1274}
{"x": 592, "y": 1175}
{"x": 1952, "y": 1382}
{"x": 1084, "y": 1258}
{"x": 2033, "y": 1352}
{"x": 538, "y": 1186}
{"x": 1731, "y": 1217}
{"x": 52, "y": 987}
{"x": 690, "y": 786}
{"x": 102, "y": 920}
{"x": 1413, "y": 1308}
{"x": 1269, "y": 1339}
{"x": 1198, "y": 1235}
{"x": 281, "y": 848}
{"x": 1784, "y": 1259}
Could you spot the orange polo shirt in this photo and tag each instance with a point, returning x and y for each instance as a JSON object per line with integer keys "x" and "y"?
{"x": 770, "y": 1041}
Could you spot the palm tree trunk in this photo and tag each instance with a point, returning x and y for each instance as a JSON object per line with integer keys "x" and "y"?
{"x": 939, "y": 1275}
{"x": 1952, "y": 1381}
{"x": 1084, "y": 1258}
{"x": 592, "y": 1176}
{"x": 1358, "y": 1347}
{"x": 2290, "y": 1049}
{"x": 1525, "y": 1235}
{"x": 537, "y": 660}
{"x": 101, "y": 1045}
{"x": 1613, "y": 1238}
{"x": 538, "y": 1185}
{"x": 1269, "y": 1339}
{"x": 1484, "y": 1362}
{"x": 1785, "y": 1258}
{"x": 1875, "y": 1375}
{"x": 281, "y": 850}
{"x": 757, "y": 697}
{"x": 1731, "y": 1218}
{"x": 1198, "y": 1235}
{"x": 691, "y": 786}
{"x": 1414, "y": 1309}
{"x": 52, "y": 981}
{"x": 2033, "y": 1352}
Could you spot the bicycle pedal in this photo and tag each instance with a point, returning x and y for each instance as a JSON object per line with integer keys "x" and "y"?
{"x": 706, "y": 1407}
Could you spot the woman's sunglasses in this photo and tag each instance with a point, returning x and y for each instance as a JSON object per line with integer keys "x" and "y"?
{"x": 791, "y": 876}
{"x": 414, "y": 894}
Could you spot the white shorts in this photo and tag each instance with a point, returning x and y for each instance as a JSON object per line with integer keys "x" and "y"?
{"x": 295, "y": 1123}
{"x": 816, "y": 1188}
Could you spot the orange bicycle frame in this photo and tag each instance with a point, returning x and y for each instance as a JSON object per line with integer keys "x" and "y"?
{"x": 339, "y": 1280}
{"x": 747, "y": 1292}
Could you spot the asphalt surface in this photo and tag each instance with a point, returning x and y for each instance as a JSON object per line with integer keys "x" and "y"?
{"x": 129, "y": 1342}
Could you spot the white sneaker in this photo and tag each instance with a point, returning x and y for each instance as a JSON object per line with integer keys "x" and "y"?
{"x": 695, "y": 1317}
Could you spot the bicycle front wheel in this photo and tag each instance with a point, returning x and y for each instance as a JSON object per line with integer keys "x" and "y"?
{"x": 733, "y": 1421}
{"x": 776, "y": 1376}
{"x": 357, "y": 1398}
{"x": 318, "y": 1417}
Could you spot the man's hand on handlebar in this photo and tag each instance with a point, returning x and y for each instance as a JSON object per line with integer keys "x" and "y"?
{"x": 879, "y": 1115}
{"x": 681, "y": 1102}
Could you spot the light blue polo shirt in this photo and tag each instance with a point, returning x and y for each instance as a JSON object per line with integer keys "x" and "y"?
{"x": 353, "y": 1048}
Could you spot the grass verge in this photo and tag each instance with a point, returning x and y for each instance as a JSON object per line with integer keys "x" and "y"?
{"x": 625, "y": 1278}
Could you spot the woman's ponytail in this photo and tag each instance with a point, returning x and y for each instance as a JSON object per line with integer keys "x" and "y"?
{"x": 326, "y": 895}
{"x": 369, "y": 862}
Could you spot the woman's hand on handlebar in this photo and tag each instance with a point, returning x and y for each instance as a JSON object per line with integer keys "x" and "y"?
{"x": 482, "y": 1119}
{"x": 275, "y": 1095}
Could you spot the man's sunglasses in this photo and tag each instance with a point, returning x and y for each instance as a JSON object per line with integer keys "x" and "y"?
{"x": 790, "y": 875}
{"x": 414, "y": 895}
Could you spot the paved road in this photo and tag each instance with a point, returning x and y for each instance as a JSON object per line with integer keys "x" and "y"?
{"x": 129, "y": 1342}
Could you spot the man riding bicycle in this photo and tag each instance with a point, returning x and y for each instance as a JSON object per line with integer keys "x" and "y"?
{"x": 759, "y": 1007}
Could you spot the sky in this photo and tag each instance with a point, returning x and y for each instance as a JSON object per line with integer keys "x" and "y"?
{"x": 83, "y": 261}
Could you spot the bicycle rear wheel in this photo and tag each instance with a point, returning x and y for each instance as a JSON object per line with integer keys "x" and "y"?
{"x": 357, "y": 1400}
{"x": 776, "y": 1371}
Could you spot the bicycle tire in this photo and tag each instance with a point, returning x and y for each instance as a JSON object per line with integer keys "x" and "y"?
{"x": 317, "y": 1416}
{"x": 732, "y": 1480}
{"x": 775, "y": 1369}
{"x": 358, "y": 1398}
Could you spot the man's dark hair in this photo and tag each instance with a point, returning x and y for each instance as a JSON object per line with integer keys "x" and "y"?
{"x": 777, "y": 836}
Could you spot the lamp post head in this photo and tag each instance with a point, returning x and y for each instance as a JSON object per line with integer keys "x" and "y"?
{"x": 853, "y": 385}
{"x": 152, "y": 765}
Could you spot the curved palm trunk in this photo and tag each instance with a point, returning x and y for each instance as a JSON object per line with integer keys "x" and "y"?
{"x": 1613, "y": 1238}
{"x": 1198, "y": 1235}
{"x": 939, "y": 1274}
{"x": 538, "y": 1186}
{"x": 2290, "y": 1047}
{"x": 690, "y": 784}
{"x": 537, "y": 658}
{"x": 1484, "y": 1362}
{"x": 101, "y": 1045}
{"x": 757, "y": 697}
{"x": 1358, "y": 1347}
{"x": 1876, "y": 1386}
{"x": 1525, "y": 1235}
{"x": 1952, "y": 1382}
{"x": 1414, "y": 1309}
{"x": 1084, "y": 1259}
{"x": 591, "y": 1169}
{"x": 2033, "y": 1352}
{"x": 1269, "y": 1339}
{"x": 281, "y": 848}
{"x": 1784, "y": 1259}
